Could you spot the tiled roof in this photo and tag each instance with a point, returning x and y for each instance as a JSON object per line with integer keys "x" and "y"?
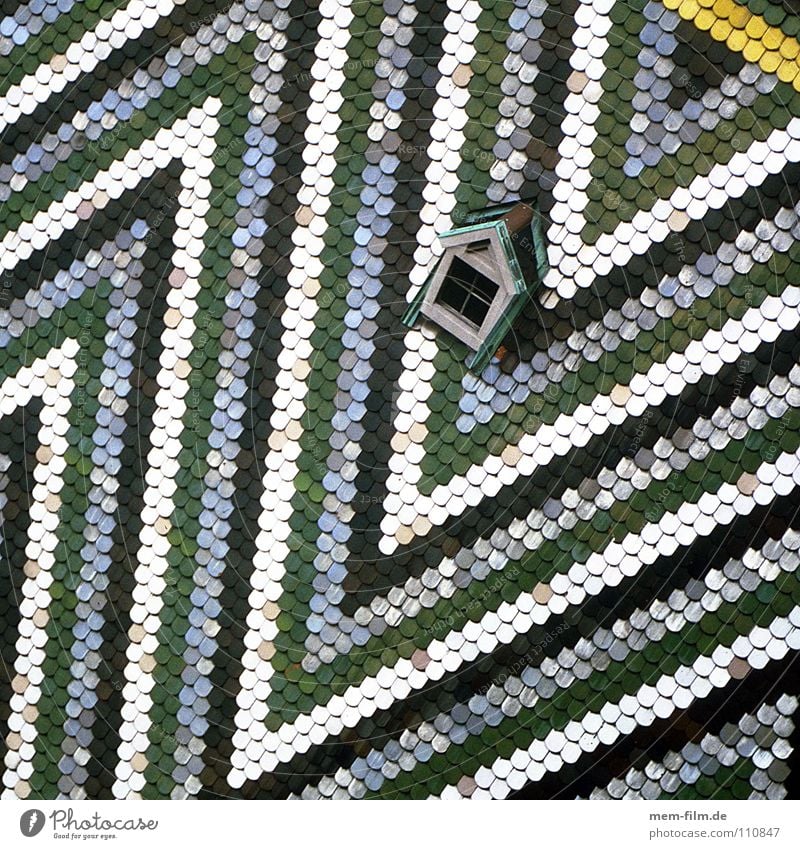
{"x": 261, "y": 539}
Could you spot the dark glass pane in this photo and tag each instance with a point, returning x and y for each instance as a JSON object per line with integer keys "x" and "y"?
{"x": 467, "y": 291}
{"x": 475, "y": 310}
{"x": 452, "y": 294}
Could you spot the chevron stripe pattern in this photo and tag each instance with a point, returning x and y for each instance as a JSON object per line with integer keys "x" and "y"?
{"x": 259, "y": 539}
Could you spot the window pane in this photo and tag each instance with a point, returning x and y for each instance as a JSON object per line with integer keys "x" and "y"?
{"x": 475, "y": 310}
{"x": 467, "y": 291}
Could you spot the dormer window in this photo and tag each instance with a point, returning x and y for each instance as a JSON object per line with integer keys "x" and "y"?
{"x": 479, "y": 285}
